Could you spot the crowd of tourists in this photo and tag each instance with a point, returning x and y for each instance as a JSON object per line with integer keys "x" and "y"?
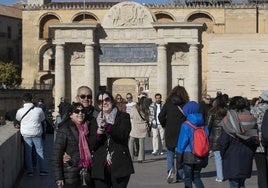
{"x": 95, "y": 147}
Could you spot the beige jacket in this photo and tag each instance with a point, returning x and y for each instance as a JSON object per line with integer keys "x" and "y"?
{"x": 138, "y": 125}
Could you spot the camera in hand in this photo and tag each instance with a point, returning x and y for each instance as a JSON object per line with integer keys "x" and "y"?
{"x": 102, "y": 88}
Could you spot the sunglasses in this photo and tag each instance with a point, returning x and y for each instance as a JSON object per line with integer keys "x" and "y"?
{"x": 107, "y": 99}
{"x": 119, "y": 98}
{"x": 85, "y": 96}
{"x": 129, "y": 97}
{"x": 77, "y": 111}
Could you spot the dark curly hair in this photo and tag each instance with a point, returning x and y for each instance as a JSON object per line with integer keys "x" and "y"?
{"x": 181, "y": 92}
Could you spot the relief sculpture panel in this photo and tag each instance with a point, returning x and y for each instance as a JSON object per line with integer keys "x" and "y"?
{"x": 128, "y": 14}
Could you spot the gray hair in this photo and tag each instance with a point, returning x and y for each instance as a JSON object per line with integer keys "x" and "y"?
{"x": 83, "y": 87}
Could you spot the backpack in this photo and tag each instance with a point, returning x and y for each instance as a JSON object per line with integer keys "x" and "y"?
{"x": 264, "y": 127}
{"x": 200, "y": 141}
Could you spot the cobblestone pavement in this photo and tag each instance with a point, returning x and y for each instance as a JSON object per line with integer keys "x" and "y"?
{"x": 149, "y": 174}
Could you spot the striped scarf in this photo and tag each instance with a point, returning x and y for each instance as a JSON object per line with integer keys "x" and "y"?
{"x": 85, "y": 155}
{"x": 240, "y": 124}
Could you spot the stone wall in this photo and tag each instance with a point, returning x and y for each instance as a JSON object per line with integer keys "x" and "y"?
{"x": 11, "y": 99}
{"x": 237, "y": 64}
{"x": 12, "y": 158}
{"x": 229, "y": 29}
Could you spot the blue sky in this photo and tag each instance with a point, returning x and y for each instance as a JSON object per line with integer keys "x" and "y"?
{"x": 10, "y": 2}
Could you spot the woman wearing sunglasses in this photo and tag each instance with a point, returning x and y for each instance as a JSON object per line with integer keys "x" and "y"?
{"x": 112, "y": 164}
{"x": 72, "y": 139}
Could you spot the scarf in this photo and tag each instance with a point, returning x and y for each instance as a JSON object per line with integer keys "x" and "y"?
{"x": 240, "y": 124}
{"x": 85, "y": 155}
{"x": 109, "y": 122}
{"x": 111, "y": 118}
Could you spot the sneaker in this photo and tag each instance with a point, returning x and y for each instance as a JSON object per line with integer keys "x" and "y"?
{"x": 211, "y": 154}
{"x": 161, "y": 153}
{"x": 170, "y": 176}
{"x": 43, "y": 173}
{"x": 218, "y": 180}
{"x": 30, "y": 174}
{"x": 154, "y": 153}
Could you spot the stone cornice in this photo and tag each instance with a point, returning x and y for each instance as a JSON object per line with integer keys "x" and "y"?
{"x": 71, "y": 6}
{"x": 67, "y": 26}
{"x": 178, "y": 25}
{"x": 108, "y": 5}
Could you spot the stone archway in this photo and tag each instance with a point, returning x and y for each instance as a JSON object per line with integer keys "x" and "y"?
{"x": 124, "y": 86}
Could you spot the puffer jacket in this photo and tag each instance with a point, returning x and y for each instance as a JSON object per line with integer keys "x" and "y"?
{"x": 67, "y": 141}
{"x": 185, "y": 140}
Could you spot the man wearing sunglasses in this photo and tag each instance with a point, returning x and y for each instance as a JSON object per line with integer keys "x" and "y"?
{"x": 84, "y": 95}
{"x": 204, "y": 106}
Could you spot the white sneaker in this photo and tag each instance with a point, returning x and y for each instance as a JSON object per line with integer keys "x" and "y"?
{"x": 170, "y": 176}
{"x": 218, "y": 180}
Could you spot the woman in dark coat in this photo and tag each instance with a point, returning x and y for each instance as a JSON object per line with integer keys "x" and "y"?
{"x": 112, "y": 164}
{"x": 237, "y": 142}
{"x": 215, "y": 116}
{"x": 72, "y": 139}
{"x": 171, "y": 117}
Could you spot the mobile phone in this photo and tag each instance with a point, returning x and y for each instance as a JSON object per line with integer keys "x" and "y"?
{"x": 102, "y": 88}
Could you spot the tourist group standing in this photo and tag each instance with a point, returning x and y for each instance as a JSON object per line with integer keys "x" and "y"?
{"x": 95, "y": 147}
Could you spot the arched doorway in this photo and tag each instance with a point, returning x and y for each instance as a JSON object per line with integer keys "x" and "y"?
{"x": 135, "y": 86}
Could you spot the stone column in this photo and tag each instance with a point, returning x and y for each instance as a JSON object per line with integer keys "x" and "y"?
{"x": 162, "y": 70}
{"x": 59, "y": 88}
{"x": 89, "y": 67}
{"x": 193, "y": 73}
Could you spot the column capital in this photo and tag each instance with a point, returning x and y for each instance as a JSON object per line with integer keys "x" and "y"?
{"x": 193, "y": 45}
{"x": 161, "y": 44}
{"x": 59, "y": 42}
{"x": 89, "y": 43}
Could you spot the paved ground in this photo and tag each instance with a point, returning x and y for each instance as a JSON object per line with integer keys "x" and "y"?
{"x": 150, "y": 174}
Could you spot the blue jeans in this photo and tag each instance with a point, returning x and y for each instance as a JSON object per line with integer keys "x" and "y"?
{"x": 170, "y": 164}
{"x": 192, "y": 175}
{"x": 37, "y": 142}
{"x": 218, "y": 163}
{"x": 237, "y": 183}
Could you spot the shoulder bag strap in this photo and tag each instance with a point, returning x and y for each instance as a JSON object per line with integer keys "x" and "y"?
{"x": 143, "y": 118}
{"x": 26, "y": 113}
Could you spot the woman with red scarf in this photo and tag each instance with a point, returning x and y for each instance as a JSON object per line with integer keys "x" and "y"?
{"x": 72, "y": 139}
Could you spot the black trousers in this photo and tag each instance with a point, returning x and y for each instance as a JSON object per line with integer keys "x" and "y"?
{"x": 261, "y": 160}
{"x": 111, "y": 182}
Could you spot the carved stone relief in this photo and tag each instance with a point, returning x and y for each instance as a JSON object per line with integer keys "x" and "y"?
{"x": 180, "y": 54}
{"x": 128, "y": 14}
{"x": 180, "y": 57}
{"x": 77, "y": 55}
